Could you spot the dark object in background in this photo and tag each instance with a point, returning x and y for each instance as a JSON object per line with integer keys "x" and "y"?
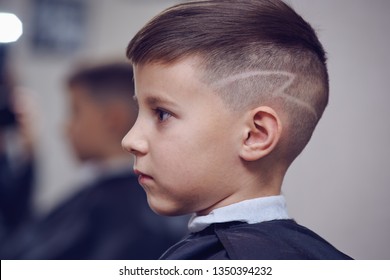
{"x": 16, "y": 175}
{"x": 7, "y": 115}
{"x": 107, "y": 220}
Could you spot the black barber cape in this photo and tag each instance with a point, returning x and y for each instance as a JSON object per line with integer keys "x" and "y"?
{"x": 272, "y": 240}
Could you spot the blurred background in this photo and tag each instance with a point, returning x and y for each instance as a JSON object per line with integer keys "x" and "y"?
{"x": 339, "y": 186}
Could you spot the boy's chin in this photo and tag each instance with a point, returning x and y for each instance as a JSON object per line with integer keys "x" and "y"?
{"x": 167, "y": 210}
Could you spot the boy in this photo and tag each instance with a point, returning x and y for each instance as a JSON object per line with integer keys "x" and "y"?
{"x": 229, "y": 94}
{"x": 108, "y": 218}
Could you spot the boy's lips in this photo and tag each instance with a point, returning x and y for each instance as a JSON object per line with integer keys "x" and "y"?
{"x": 142, "y": 177}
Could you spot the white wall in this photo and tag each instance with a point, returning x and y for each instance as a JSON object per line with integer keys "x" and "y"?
{"x": 338, "y": 186}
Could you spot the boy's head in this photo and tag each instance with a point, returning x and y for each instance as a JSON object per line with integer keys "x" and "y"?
{"x": 248, "y": 77}
{"x": 102, "y": 109}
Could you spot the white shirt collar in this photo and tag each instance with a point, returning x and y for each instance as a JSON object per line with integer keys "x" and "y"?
{"x": 250, "y": 211}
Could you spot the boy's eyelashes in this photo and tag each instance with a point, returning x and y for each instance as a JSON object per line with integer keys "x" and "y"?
{"x": 161, "y": 114}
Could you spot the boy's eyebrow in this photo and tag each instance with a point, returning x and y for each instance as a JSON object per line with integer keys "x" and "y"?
{"x": 155, "y": 100}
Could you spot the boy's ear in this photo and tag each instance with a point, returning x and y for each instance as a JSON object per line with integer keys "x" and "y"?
{"x": 262, "y": 133}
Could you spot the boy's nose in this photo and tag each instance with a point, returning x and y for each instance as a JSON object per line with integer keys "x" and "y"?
{"x": 133, "y": 142}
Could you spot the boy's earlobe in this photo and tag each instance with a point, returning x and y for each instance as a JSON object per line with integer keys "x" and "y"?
{"x": 262, "y": 133}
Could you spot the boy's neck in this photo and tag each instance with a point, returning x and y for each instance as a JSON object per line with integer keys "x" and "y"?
{"x": 254, "y": 180}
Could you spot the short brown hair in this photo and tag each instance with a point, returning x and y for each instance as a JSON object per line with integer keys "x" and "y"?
{"x": 261, "y": 50}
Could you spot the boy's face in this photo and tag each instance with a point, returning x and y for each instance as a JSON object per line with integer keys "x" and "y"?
{"x": 185, "y": 140}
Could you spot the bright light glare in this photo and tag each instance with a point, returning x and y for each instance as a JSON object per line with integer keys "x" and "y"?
{"x": 11, "y": 28}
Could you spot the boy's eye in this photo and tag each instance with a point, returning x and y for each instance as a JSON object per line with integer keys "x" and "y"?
{"x": 162, "y": 115}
